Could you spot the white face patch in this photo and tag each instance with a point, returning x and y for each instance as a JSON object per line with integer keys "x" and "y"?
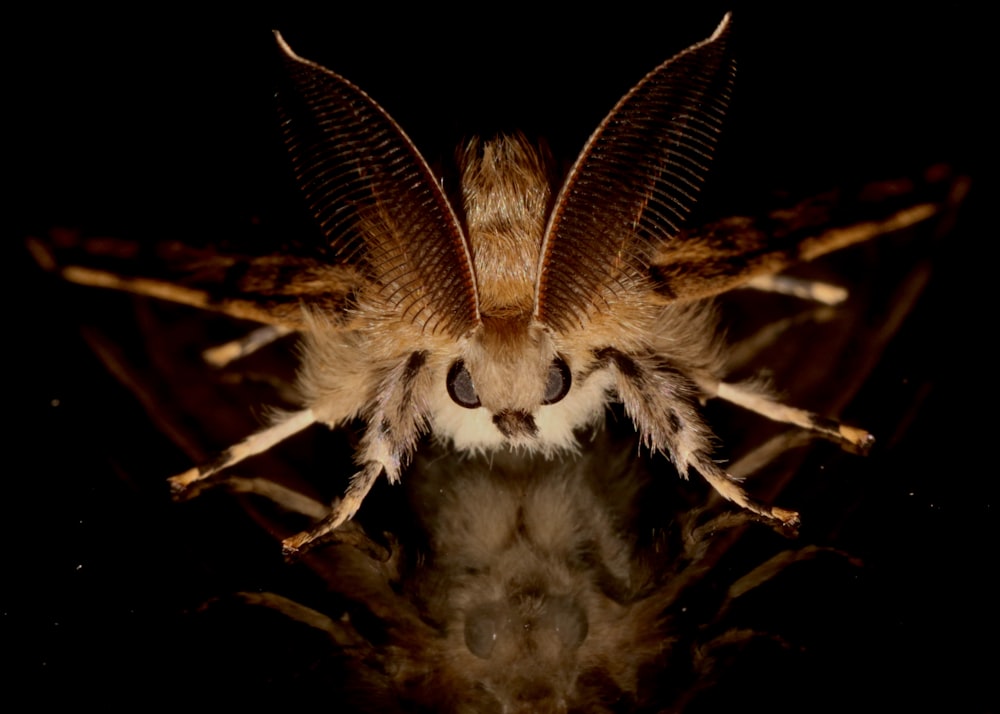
{"x": 473, "y": 430}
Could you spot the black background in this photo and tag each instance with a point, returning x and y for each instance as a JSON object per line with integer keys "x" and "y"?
{"x": 159, "y": 123}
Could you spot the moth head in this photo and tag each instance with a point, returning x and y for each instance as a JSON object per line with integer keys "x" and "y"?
{"x": 504, "y": 386}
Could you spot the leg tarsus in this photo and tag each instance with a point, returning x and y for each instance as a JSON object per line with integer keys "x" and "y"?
{"x": 753, "y": 400}
{"x": 728, "y": 487}
{"x": 341, "y": 512}
{"x": 180, "y": 484}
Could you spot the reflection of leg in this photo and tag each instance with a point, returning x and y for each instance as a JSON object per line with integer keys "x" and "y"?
{"x": 341, "y": 633}
{"x": 769, "y": 451}
{"x": 746, "y": 350}
{"x": 346, "y": 532}
{"x": 288, "y": 499}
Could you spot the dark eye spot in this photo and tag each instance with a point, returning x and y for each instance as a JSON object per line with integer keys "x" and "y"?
{"x": 557, "y": 382}
{"x": 460, "y": 387}
{"x": 482, "y": 628}
{"x": 569, "y": 621}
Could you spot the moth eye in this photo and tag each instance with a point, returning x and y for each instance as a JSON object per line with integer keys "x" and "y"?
{"x": 460, "y": 387}
{"x": 558, "y": 381}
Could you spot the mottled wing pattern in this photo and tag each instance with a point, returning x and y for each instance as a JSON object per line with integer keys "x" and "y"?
{"x": 725, "y": 254}
{"x": 269, "y": 288}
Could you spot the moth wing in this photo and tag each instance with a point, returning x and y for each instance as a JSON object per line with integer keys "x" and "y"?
{"x": 731, "y": 252}
{"x": 634, "y": 183}
{"x": 375, "y": 198}
{"x": 390, "y": 233}
{"x": 269, "y": 289}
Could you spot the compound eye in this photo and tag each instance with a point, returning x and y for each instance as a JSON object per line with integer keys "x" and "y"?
{"x": 460, "y": 387}
{"x": 557, "y": 382}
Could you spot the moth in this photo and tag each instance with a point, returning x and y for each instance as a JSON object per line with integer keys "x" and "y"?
{"x": 506, "y": 313}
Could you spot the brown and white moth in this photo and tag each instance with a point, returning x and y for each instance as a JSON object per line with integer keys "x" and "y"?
{"x": 508, "y": 316}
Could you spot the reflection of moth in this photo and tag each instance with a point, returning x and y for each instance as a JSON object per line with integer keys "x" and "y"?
{"x": 508, "y": 317}
{"x": 580, "y": 585}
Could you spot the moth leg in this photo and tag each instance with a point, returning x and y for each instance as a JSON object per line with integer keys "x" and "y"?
{"x": 727, "y": 486}
{"x": 257, "y": 443}
{"x": 815, "y": 290}
{"x": 660, "y": 401}
{"x": 221, "y": 355}
{"x": 764, "y": 405}
{"x": 394, "y": 426}
{"x": 342, "y": 511}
